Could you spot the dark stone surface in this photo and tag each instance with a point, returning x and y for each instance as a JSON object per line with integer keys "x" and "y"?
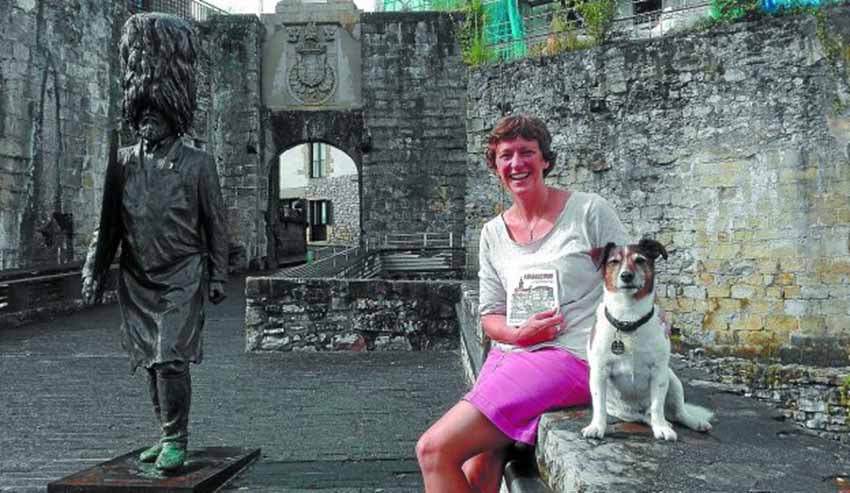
{"x": 205, "y": 471}
{"x": 68, "y": 403}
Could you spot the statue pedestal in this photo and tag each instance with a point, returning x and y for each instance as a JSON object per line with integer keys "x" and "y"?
{"x": 205, "y": 470}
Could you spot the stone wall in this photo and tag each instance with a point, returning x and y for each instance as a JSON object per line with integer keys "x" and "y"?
{"x": 232, "y": 45}
{"x": 350, "y": 314}
{"x": 57, "y": 102}
{"x": 817, "y": 399}
{"x": 44, "y": 298}
{"x": 344, "y": 194}
{"x": 414, "y": 84}
{"x": 728, "y": 146}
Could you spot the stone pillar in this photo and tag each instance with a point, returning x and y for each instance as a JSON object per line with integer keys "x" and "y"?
{"x": 414, "y": 83}
{"x": 235, "y": 129}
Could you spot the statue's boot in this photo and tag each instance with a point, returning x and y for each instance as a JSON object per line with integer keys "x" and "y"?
{"x": 174, "y": 386}
{"x": 151, "y": 453}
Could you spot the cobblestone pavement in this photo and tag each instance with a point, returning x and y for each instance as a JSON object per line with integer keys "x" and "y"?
{"x": 325, "y": 421}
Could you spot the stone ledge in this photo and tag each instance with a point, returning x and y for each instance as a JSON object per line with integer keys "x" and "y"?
{"x": 322, "y": 314}
{"x": 37, "y": 297}
{"x": 749, "y": 449}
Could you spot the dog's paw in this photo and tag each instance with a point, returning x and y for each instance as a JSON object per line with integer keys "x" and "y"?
{"x": 702, "y": 426}
{"x": 593, "y": 431}
{"x": 664, "y": 432}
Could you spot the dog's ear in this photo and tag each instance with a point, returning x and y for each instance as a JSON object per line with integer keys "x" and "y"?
{"x": 652, "y": 248}
{"x": 600, "y": 255}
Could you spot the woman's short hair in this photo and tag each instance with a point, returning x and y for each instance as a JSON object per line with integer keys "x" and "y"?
{"x": 527, "y": 127}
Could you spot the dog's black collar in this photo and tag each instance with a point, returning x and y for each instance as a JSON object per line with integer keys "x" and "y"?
{"x": 628, "y": 326}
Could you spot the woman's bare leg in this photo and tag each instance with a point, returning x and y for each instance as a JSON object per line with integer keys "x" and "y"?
{"x": 462, "y": 433}
{"x": 484, "y": 471}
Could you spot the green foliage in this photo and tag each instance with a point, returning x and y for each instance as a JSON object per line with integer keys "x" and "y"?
{"x": 444, "y": 5}
{"x": 471, "y": 34}
{"x": 832, "y": 45}
{"x": 844, "y": 392}
{"x": 598, "y": 17}
{"x": 725, "y": 11}
{"x": 706, "y": 24}
{"x": 563, "y": 36}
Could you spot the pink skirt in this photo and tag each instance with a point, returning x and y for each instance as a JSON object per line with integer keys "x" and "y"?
{"x": 515, "y": 388}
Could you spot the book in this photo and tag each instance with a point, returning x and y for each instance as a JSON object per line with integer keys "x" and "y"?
{"x": 532, "y": 292}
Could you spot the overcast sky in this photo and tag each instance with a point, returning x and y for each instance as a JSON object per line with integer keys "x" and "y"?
{"x": 251, "y": 6}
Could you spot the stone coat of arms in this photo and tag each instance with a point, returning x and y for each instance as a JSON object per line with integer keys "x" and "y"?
{"x": 311, "y": 78}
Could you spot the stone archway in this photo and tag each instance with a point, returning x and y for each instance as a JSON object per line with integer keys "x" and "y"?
{"x": 341, "y": 129}
{"x": 287, "y": 129}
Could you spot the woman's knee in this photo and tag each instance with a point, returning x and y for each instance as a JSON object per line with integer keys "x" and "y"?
{"x": 427, "y": 448}
{"x": 433, "y": 450}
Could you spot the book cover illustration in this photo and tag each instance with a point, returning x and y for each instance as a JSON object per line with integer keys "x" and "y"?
{"x": 532, "y": 292}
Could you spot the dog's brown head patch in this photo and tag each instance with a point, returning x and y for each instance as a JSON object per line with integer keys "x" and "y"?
{"x": 632, "y": 267}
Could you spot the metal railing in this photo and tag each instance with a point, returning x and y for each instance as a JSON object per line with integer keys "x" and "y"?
{"x": 414, "y": 240}
{"x": 677, "y": 15}
{"x": 327, "y": 266}
{"x": 196, "y": 10}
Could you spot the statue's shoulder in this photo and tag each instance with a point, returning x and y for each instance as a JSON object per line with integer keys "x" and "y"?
{"x": 127, "y": 156}
{"x": 193, "y": 152}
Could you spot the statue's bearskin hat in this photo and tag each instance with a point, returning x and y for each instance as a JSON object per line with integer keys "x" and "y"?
{"x": 157, "y": 66}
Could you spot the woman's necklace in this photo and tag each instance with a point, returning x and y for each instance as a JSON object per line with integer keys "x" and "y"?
{"x": 531, "y": 229}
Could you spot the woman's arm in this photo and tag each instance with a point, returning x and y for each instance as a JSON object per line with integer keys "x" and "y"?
{"x": 541, "y": 327}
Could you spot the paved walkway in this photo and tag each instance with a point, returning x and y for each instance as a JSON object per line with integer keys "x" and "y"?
{"x": 325, "y": 421}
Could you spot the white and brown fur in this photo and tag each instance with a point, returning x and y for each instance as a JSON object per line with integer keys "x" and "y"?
{"x": 637, "y": 385}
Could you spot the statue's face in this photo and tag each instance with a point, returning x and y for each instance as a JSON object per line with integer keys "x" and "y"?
{"x": 154, "y": 126}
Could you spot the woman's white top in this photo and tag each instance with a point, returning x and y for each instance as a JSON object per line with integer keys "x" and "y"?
{"x": 587, "y": 221}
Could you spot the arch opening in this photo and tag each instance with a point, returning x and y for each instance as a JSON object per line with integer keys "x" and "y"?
{"x": 316, "y": 200}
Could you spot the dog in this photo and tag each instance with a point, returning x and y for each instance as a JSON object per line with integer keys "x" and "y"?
{"x": 629, "y": 349}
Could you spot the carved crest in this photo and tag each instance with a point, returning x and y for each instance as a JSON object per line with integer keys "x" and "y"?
{"x": 311, "y": 78}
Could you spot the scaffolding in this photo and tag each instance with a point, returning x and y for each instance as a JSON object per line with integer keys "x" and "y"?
{"x": 503, "y": 22}
{"x": 516, "y": 28}
{"x": 197, "y": 10}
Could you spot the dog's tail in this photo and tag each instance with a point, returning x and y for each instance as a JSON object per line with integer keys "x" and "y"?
{"x": 697, "y": 417}
{"x": 699, "y": 412}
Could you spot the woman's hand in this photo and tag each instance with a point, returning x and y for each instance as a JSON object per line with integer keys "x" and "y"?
{"x": 540, "y": 327}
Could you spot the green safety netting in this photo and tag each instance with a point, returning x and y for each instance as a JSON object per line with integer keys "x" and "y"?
{"x": 503, "y": 23}
{"x": 503, "y": 29}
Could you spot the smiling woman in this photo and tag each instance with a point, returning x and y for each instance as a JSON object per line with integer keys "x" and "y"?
{"x": 540, "y": 364}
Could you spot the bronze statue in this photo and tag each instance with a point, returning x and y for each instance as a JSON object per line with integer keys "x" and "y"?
{"x": 162, "y": 204}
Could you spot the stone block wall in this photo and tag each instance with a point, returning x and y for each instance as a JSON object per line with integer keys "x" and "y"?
{"x": 728, "y": 146}
{"x": 350, "y": 314}
{"x": 232, "y": 45}
{"x": 344, "y": 194}
{"x": 817, "y": 399}
{"x": 414, "y": 84}
{"x": 57, "y": 104}
{"x": 44, "y": 298}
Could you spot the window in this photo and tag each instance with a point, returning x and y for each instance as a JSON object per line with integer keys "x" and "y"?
{"x": 317, "y": 160}
{"x": 319, "y": 218}
{"x": 320, "y": 212}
